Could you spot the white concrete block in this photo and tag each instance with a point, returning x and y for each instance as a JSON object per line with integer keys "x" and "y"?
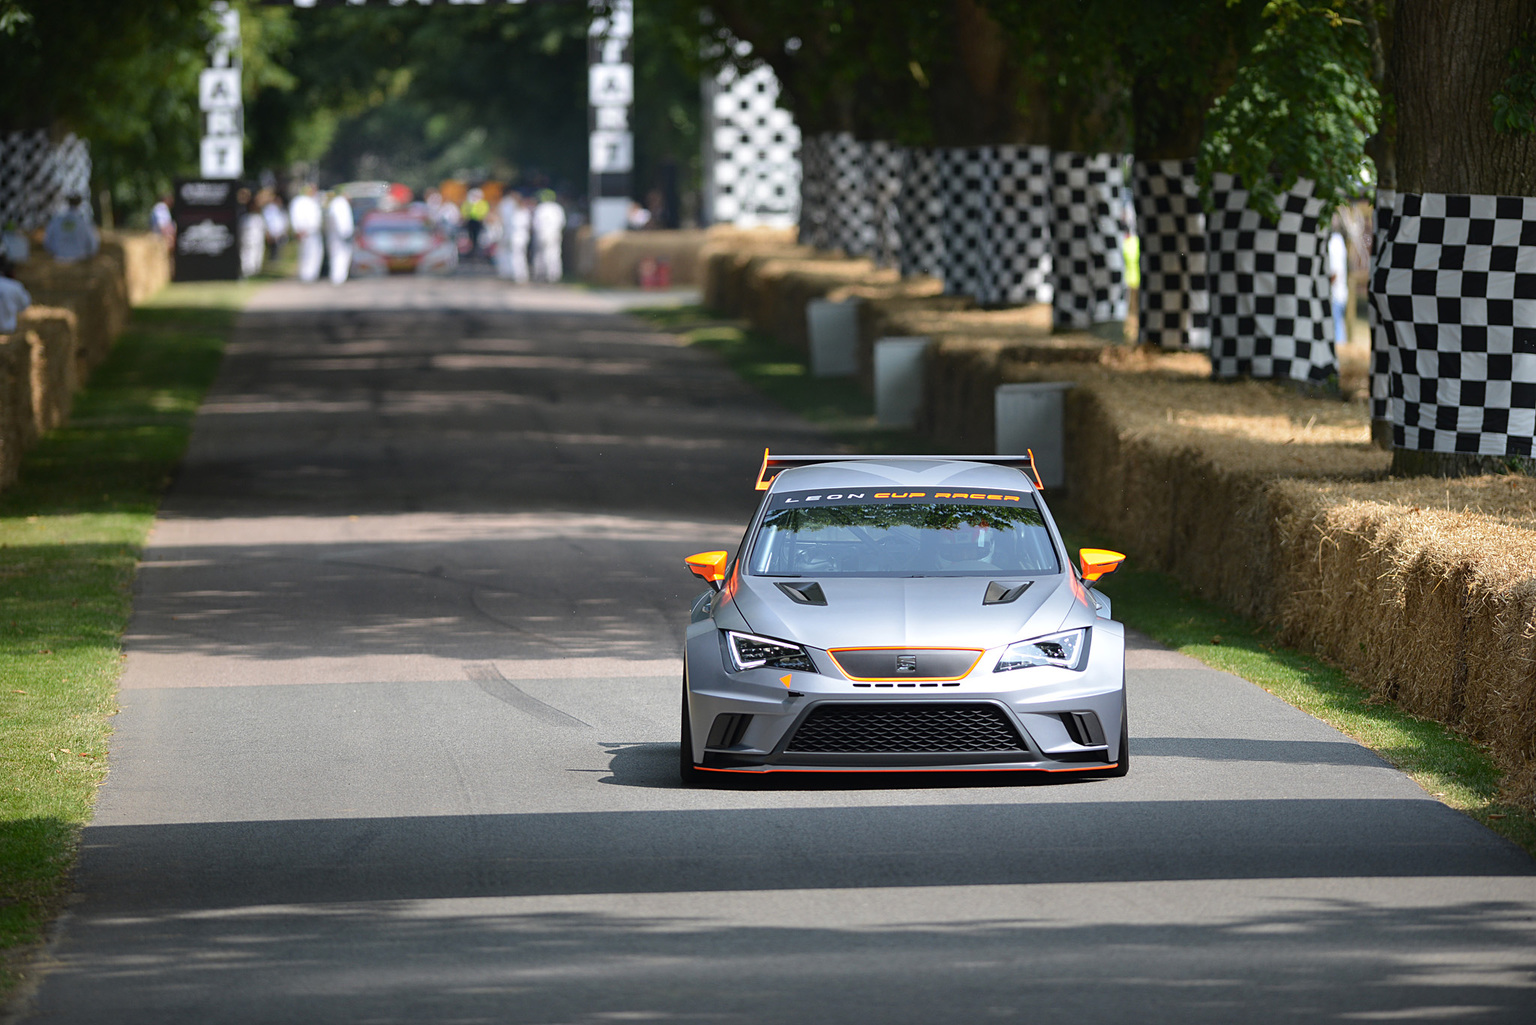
{"x": 1031, "y": 417}
{"x": 899, "y": 365}
{"x": 833, "y": 328}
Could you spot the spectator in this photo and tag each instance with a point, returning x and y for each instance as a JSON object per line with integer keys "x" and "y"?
{"x": 253, "y": 238}
{"x": 16, "y": 245}
{"x": 71, "y": 236}
{"x": 161, "y": 222}
{"x": 13, "y": 297}
{"x": 516, "y": 229}
{"x": 304, "y": 216}
{"x": 275, "y": 222}
{"x": 1338, "y": 279}
{"x": 338, "y": 237}
{"x": 548, "y": 232}
{"x": 475, "y": 211}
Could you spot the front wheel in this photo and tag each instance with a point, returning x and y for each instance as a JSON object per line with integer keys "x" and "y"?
{"x": 687, "y": 771}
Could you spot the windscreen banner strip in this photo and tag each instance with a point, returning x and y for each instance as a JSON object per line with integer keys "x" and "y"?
{"x": 899, "y": 496}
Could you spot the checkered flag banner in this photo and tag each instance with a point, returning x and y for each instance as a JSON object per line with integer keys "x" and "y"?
{"x": 1455, "y": 286}
{"x": 752, "y": 172}
{"x": 849, "y": 218}
{"x": 36, "y": 174}
{"x": 1270, "y": 312}
{"x": 1018, "y": 180}
{"x": 884, "y": 163}
{"x": 815, "y": 229}
{"x": 1087, "y": 214}
{"x": 921, "y": 214}
{"x": 964, "y": 177}
{"x": 1380, "y": 230}
{"x": 1175, "y": 306}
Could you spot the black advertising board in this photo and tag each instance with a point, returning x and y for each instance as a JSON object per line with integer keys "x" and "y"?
{"x": 207, "y": 219}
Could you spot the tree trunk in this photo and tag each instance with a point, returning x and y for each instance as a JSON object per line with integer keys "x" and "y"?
{"x": 1448, "y": 60}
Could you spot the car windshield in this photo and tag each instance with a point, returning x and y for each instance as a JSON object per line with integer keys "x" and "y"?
{"x": 939, "y": 532}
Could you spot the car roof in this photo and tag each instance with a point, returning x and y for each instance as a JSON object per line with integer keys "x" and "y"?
{"x": 906, "y": 472}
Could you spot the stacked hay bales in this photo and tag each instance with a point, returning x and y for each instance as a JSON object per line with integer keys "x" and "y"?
{"x": 17, "y": 425}
{"x": 94, "y": 290}
{"x": 78, "y": 311}
{"x": 143, "y": 259}
{"x": 51, "y": 335}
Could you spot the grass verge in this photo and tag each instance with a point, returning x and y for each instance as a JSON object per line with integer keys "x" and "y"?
{"x": 1446, "y": 765}
{"x": 71, "y": 531}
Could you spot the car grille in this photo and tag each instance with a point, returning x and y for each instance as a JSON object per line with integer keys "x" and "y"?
{"x": 904, "y": 729}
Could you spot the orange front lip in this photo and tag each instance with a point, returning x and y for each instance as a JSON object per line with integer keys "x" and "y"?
{"x": 903, "y": 679}
{"x": 911, "y": 768}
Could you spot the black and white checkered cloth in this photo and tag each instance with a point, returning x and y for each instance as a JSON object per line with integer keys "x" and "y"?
{"x": 1380, "y": 369}
{"x": 850, "y": 219}
{"x": 814, "y": 229}
{"x": 1087, "y": 213}
{"x": 751, "y": 172}
{"x": 36, "y": 174}
{"x": 921, "y": 206}
{"x": 1270, "y": 311}
{"x": 1455, "y": 285}
{"x": 1018, "y": 182}
{"x": 1174, "y": 307}
{"x": 884, "y": 163}
{"x": 964, "y": 178}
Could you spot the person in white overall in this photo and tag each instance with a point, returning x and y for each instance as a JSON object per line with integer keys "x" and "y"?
{"x": 516, "y": 229}
{"x": 253, "y": 241}
{"x": 338, "y": 237}
{"x": 304, "y": 219}
{"x": 548, "y": 227}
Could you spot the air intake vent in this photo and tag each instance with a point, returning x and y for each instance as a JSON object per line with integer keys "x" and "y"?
{"x": 1002, "y": 594}
{"x": 905, "y": 729}
{"x": 728, "y": 729}
{"x": 805, "y": 592}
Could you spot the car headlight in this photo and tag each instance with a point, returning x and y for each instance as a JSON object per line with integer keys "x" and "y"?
{"x": 1063, "y": 650}
{"x": 749, "y": 651}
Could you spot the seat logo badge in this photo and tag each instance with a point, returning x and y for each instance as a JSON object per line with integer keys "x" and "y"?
{"x": 906, "y": 663}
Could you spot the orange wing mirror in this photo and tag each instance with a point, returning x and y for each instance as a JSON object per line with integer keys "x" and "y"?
{"x": 1096, "y": 562}
{"x": 710, "y": 566}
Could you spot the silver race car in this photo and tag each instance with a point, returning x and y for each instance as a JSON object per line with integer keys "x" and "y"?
{"x": 901, "y": 613}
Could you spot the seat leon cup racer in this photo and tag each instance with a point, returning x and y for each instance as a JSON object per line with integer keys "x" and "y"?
{"x": 901, "y": 613}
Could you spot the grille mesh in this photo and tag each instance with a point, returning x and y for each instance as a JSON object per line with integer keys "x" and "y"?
{"x": 904, "y": 729}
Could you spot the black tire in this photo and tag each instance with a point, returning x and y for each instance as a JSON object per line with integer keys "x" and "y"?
{"x": 687, "y": 771}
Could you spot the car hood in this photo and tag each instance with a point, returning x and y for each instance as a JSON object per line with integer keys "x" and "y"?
{"x": 919, "y": 612}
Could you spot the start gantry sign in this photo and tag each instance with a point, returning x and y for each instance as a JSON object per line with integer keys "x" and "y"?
{"x": 218, "y": 97}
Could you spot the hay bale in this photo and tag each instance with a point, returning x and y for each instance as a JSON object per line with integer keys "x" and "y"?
{"x": 144, "y": 260}
{"x": 94, "y": 290}
{"x": 620, "y": 254}
{"x": 18, "y": 427}
{"x": 51, "y": 334}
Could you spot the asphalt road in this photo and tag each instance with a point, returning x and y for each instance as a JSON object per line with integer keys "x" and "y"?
{"x": 398, "y": 734}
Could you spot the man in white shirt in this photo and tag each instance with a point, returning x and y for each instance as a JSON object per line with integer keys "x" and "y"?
{"x": 516, "y": 228}
{"x": 71, "y": 236}
{"x": 13, "y": 298}
{"x": 338, "y": 237}
{"x": 548, "y": 228}
{"x": 1338, "y": 281}
{"x": 304, "y": 217}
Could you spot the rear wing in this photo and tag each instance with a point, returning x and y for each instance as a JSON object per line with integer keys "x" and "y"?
{"x": 774, "y": 465}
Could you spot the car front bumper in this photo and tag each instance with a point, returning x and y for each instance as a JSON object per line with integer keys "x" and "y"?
{"x": 1065, "y": 721}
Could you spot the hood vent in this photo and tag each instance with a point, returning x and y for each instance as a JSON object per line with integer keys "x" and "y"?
{"x": 1001, "y": 594}
{"x": 806, "y": 592}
